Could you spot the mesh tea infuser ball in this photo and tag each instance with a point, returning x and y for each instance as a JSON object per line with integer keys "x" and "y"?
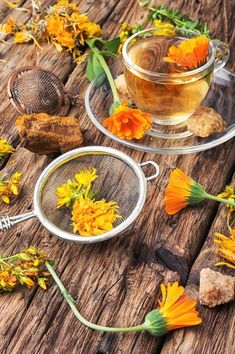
{"x": 34, "y": 90}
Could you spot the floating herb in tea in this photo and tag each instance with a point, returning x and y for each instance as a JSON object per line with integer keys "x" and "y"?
{"x": 190, "y": 53}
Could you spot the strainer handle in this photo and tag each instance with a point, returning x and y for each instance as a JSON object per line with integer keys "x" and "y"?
{"x": 7, "y": 222}
{"x": 155, "y": 165}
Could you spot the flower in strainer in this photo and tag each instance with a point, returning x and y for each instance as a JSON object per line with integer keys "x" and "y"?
{"x": 92, "y": 218}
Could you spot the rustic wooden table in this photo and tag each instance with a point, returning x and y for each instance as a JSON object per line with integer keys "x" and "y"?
{"x": 115, "y": 282}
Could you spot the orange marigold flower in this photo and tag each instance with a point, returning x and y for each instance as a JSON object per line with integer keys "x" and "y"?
{"x": 92, "y": 218}
{"x": 176, "y": 310}
{"x": 226, "y": 248}
{"x": 189, "y": 53}
{"x": 182, "y": 191}
{"x": 128, "y": 123}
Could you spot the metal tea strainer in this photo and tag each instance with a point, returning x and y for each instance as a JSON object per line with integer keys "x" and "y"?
{"x": 120, "y": 179}
{"x": 34, "y": 90}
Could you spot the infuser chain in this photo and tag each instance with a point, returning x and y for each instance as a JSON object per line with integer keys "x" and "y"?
{"x": 7, "y": 222}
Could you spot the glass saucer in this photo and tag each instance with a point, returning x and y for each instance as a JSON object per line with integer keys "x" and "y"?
{"x": 173, "y": 139}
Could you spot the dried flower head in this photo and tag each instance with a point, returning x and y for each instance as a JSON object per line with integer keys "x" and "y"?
{"x": 92, "y": 218}
{"x": 226, "y": 248}
{"x": 190, "y": 53}
{"x": 24, "y": 268}
{"x": 5, "y": 148}
{"x": 10, "y": 187}
{"x": 176, "y": 310}
{"x": 62, "y": 24}
{"x": 128, "y": 123}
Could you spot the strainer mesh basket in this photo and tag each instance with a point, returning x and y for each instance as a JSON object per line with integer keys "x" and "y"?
{"x": 116, "y": 181}
{"x": 33, "y": 90}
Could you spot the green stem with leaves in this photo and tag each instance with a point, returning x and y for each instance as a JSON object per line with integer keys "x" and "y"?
{"x": 105, "y": 67}
{"x": 71, "y": 303}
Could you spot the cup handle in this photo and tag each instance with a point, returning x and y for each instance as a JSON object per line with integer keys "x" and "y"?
{"x": 155, "y": 165}
{"x": 221, "y": 55}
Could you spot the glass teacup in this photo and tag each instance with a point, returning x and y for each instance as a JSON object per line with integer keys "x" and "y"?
{"x": 167, "y": 91}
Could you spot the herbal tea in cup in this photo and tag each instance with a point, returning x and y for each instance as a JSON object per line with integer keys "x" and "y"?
{"x": 168, "y": 71}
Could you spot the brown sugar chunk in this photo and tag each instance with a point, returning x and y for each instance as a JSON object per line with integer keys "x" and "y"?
{"x": 215, "y": 288}
{"x": 205, "y": 122}
{"x": 122, "y": 89}
{"x": 45, "y": 134}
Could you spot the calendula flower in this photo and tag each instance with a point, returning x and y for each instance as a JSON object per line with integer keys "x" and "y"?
{"x": 86, "y": 177}
{"x": 24, "y": 268}
{"x": 165, "y": 28}
{"x": 10, "y": 187}
{"x": 22, "y": 37}
{"x": 128, "y": 123}
{"x": 8, "y": 27}
{"x": 68, "y": 28}
{"x": 176, "y": 310}
{"x": 61, "y": 24}
{"x": 92, "y": 218}
{"x": 226, "y": 248}
{"x": 56, "y": 28}
{"x": 182, "y": 191}
{"x": 5, "y": 148}
{"x": 190, "y": 53}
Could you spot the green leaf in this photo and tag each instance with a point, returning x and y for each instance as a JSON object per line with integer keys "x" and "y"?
{"x": 94, "y": 69}
{"x": 112, "y": 45}
{"x": 89, "y": 68}
{"x": 91, "y": 42}
{"x": 107, "y": 53}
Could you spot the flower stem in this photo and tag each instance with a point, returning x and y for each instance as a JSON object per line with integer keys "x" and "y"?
{"x": 73, "y": 307}
{"x": 107, "y": 71}
{"x": 222, "y": 200}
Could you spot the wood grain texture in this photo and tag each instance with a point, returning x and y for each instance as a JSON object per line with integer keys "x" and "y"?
{"x": 216, "y": 321}
{"x": 115, "y": 283}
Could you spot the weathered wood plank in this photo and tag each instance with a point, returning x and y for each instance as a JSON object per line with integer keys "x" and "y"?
{"x": 218, "y": 323}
